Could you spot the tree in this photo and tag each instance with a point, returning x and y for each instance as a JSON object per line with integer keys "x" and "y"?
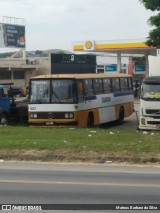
{"x": 138, "y": 60}
{"x": 154, "y": 35}
{"x": 39, "y": 53}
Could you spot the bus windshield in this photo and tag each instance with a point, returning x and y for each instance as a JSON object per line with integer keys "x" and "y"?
{"x": 150, "y": 92}
{"x": 53, "y": 91}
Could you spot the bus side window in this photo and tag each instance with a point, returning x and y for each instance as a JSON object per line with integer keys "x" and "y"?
{"x": 97, "y": 84}
{"x": 124, "y": 84}
{"x": 107, "y": 85}
{"x": 115, "y": 85}
{"x": 130, "y": 85}
{"x": 88, "y": 87}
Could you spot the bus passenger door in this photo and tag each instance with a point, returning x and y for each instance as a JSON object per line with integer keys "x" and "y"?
{"x": 80, "y": 89}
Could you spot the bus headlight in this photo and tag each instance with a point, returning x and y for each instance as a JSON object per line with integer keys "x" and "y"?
{"x": 33, "y": 115}
{"x": 69, "y": 115}
{"x": 66, "y": 115}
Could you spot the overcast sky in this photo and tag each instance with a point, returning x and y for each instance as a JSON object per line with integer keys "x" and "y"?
{"x": 55, "y": 24}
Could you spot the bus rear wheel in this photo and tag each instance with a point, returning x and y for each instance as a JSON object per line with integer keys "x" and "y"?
{"x": 90, "y": 120}
{"x": 121, "y": 116}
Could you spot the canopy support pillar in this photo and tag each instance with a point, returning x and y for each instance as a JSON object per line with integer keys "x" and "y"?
{"x": 119, "y": 67}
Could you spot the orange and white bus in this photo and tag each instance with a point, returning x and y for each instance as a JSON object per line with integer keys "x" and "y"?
{"x": 82, "y": 100}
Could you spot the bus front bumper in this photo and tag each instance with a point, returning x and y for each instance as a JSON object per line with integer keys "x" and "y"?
{"x": 54, "y": 124}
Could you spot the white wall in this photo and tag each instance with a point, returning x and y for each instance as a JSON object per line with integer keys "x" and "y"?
{"x": 154, "y": 64}
{"x": 111, "y": 60}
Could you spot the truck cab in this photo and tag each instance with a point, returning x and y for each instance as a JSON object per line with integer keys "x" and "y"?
{"x": 4, "y": 103}
{"x": 9, "y": 111}
{"x": 150, "y": 104}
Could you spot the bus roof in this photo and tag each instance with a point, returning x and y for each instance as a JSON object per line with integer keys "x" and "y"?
{"x": 82, "y": 76}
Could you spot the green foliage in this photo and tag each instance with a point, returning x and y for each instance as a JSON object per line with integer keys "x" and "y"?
{"x": 39, "y": 53}
{"x": 154, "y": 20}
{"x": 5, "y": 55}
{"x": 151, "y": 4}
{"x": 154, "y": 38}
{"x": 154, "y": 35}
{"x": 139, "y": 60}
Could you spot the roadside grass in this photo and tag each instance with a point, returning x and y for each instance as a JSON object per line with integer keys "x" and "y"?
{"x": 96, "y": 145}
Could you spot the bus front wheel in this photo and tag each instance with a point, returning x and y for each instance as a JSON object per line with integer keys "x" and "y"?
{"x": 90, "y": 120}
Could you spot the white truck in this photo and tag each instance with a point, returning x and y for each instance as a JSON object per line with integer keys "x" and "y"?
{"x": 150, "y": 97}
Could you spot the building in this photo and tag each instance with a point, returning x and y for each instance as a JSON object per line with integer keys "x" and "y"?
{"x": 18, "y": 69}
{"x": 15, "y": 69}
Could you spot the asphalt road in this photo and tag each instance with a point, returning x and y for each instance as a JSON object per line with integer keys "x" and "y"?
{"x": 41, "y": 183}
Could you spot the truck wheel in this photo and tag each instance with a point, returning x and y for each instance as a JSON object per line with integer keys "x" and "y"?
{"x": 3, "y": 120}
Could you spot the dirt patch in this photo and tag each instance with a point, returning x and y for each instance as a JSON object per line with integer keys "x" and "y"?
{"x": 91, "y": 156}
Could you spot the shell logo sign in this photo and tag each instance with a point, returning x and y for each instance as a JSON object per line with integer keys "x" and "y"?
{"x": 89, "y": 46}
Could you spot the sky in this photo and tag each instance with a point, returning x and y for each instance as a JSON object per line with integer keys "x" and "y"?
{"x": 56, "y": 24}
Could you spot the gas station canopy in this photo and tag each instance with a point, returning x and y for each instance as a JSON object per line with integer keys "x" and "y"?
{"x": 115, "y": 47}
{"x": 119, "y": 48}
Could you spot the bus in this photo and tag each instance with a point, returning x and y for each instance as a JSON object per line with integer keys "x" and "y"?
{"x": 150, "y": 104}
{"x": 79, "y": 100}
